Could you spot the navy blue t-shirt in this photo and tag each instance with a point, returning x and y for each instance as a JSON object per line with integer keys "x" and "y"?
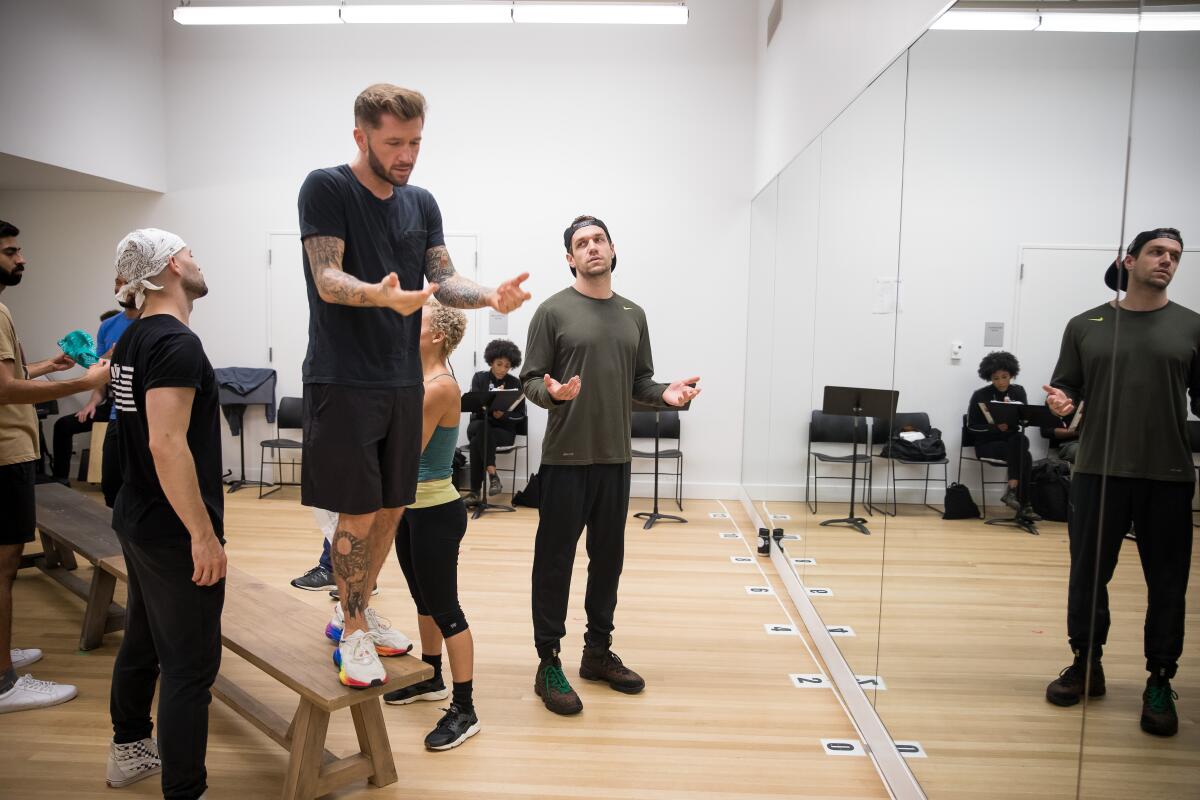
{"x": 155, "y": 352}
{"x": 366, "y": 347}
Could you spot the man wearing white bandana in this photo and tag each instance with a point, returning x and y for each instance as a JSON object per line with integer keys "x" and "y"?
{"x": 169, "y": 518}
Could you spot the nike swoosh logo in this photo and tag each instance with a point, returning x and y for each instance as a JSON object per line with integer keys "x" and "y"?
{"x": 1095, "y": 319}
{"x": 627, "y": 308}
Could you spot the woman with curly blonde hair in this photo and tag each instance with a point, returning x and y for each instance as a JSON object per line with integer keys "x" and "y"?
{"x": 428, "y": 538}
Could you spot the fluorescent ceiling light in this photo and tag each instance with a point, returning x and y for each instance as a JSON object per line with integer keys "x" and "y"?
{"x": 1089, "y": 22}
{"x": 601, "y": 13}
{"x": 427, "y": 12}
{"x": 987, "y": 21}
{"x": 1174, "y": 21}
{"x": 257, "y": 15}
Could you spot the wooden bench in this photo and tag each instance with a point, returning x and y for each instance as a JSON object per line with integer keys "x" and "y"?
{"x": 68, "y": 523}
{"x": 283, "y": 636}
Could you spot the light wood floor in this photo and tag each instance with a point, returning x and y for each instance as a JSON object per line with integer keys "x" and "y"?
{"x": 719, "y": 718}
{"x": 972, "y": 628}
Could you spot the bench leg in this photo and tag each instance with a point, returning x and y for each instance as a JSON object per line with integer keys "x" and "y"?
{"x": 56, "y": 555}
{"x": 373, "y": 741}
{"x": 308, "y": 746}
{"x": 95, "y": 616}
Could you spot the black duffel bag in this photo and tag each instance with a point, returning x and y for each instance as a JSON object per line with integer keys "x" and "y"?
{"x": 1050, "y": 490}
{"x": 931, "y": 448}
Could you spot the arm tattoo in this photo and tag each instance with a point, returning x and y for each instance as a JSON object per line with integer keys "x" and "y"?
{"x": 351, "y": 566}
{"x": 453, "y": 289}
{"x": 333, "y": 284}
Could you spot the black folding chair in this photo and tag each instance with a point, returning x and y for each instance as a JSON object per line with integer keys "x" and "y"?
{"x": 290, "y": 416}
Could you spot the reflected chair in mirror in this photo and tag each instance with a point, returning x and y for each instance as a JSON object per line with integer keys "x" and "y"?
{"x": 290, "y": 416}
{"x": 837, "y": 429}
{"x": 915, "y": 421}
{"x": 643, "y": 426}
{"x": 520, "y": 444}
{"x": 968, "y": 440}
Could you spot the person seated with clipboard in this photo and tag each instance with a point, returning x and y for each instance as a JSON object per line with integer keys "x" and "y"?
{"x": 502, "y": 357}
{"x": 998, "y": 440}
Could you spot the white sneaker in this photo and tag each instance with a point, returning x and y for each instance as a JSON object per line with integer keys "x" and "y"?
{"x": 358, "y": 663}
{"x": 23, "y": 658}
{"x": 388, "y": 640}
{"x": 29, "y": 692}
{"x": 129, "y": 763}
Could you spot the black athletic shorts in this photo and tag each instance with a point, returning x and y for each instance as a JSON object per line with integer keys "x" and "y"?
{"x": 16, "y": 499}
{"x": 362, "y": 447}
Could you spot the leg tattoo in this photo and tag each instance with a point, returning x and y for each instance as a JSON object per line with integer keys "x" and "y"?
{"x": 351, "y": 563}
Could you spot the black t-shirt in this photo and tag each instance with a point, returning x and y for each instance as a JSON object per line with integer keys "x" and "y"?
{"x": 157, "y": 352}
{"x": 369, "y": 347}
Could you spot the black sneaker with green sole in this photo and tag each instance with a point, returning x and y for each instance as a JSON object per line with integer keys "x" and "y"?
{"x": 551, "y": 685}
{"x": 1158, "y": 708}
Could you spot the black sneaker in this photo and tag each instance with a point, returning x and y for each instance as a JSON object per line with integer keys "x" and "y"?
{"x": 1158, "y": 708}
{"x": 471, "y": 499}
{"x": 316, "y": 579}
{"x": 1068, "y": 688}
{"x": 1009, "y": 498}
{"x": 1028, "y": 513}
{"x": 494, "y": 485}
{"x": 333, "y": 593}
{"x": 425, "y": 690}
{"x": 454, "y": 728}
{"x": 551, "y": 685}
{"x": 602, "y": 664}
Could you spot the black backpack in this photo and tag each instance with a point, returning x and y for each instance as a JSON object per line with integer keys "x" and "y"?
{"x": 959, "y": 504}
{"x": 531, "y": 495}
{"x": 1050, "y": 490}
{"x": 931, "y": 448}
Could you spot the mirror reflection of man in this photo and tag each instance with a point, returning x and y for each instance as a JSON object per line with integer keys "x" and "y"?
{"x": 1135, "y": 469}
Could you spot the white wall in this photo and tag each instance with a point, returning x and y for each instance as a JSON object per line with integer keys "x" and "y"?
{"x": 83, "y": 87}
{"x": 822, "y": 55}
{"x": 528, "y": 126}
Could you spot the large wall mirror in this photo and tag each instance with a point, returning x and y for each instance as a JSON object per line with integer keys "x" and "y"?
{"x": 936, "y": 241}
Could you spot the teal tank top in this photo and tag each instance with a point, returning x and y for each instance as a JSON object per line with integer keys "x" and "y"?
{"x": 438, "y": 457}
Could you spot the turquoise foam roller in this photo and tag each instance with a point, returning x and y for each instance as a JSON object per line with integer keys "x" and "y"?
{"x": 80, "y": 346}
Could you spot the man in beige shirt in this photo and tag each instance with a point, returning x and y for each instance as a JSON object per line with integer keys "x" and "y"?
{"x": 19, "y": 454}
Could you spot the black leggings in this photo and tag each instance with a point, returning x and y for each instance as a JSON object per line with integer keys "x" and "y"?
{"x": 480, "y": 460}
{"x": 427, "y": 547}
{"x": 1014, "y": 450}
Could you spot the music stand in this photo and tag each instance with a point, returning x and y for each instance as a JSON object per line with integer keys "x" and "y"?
{"x": 858, "y": 403}
{"x": 1020, "y": 416}
{"x": 654, "y": 516}
{"x": 482, "y": 401}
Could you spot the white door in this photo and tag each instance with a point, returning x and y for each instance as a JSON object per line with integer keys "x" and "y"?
{"x": 287, "y": 311}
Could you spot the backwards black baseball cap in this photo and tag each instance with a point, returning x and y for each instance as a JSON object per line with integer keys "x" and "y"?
{"x": 1135, "y": 248}
{"x": 586, "y": 221}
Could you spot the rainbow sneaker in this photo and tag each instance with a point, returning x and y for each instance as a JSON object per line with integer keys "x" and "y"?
{"x": 357, "y": 662}
{"x": 388, "y": 640}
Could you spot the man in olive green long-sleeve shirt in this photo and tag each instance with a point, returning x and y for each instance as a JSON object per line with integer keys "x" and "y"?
{"x": 1134, "y": 466}
{"x": 586, "y": 359}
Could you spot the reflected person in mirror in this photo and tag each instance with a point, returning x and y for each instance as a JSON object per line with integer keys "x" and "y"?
{"x": 997, "y": 441}
{"x": 1135, "y": 469}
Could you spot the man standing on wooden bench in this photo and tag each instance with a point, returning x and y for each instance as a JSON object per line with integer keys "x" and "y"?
{"x": 370, "y": 240}
{"x": 169, "y": 518}
{"x": 20, "y": 451}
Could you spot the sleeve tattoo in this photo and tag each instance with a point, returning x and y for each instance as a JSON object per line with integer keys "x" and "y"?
{"x": 453, "y": 289}
{"x": 333, "y": 284}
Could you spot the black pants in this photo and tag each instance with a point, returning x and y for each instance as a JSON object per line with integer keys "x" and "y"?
{"x": 1161, "y": 513}
{"x": 427, "y": 547}
{"x": 1014, "y": 450}
{"x": 110, "y": 467}
{"x": 65, "y": 429}
{"x": 597, "y": 496}
{"x": 496, "y": 437}
{"x": 172, "y": 627}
